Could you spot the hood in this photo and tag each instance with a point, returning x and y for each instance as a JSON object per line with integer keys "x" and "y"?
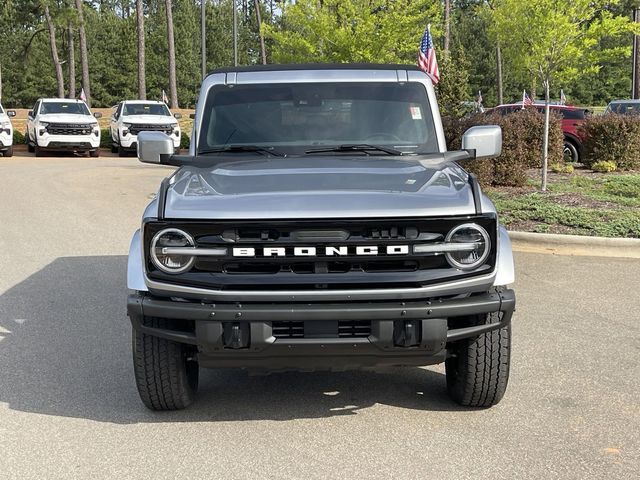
{"x": 149, "y": 119}
{"x": 68, "y": 118}
{"x": 319, "y": 187}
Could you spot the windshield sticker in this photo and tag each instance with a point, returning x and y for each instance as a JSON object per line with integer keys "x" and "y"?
{"x": 416, "y": 113}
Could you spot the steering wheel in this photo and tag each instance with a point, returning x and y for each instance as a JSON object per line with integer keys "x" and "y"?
{"x": 384, "y": 135}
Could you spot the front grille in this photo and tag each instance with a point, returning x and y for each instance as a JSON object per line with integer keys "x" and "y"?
{"x": 69, "y": 129}
{"x": 340, "y": 329}
{"x": 136, "y": 129}
{"x": 340, "y": 270}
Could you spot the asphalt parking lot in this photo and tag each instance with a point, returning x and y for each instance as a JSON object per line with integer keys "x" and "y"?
{"x": 69, "y": 408}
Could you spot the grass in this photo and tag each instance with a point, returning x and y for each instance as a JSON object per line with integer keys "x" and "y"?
{"x": 581, "y": 204}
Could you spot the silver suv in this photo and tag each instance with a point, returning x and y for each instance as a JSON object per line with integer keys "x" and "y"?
{"x": 318, "y": 222}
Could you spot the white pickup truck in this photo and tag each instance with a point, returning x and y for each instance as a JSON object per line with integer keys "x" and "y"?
{"x": 6, "y": 132}
{"x": 131, "y": 117}
{"x": 66, "y": 125}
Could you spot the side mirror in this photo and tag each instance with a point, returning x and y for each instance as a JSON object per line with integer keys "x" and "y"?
{"x": 192, "y": 116}
{"x": 11, "y": 113}
{"x": 153, "y": 146}
{"x": 177, "y": 115}
{"x": 97, "y": 115}
{"x": 30, "y": 114}
{"x": 486, "y": 140}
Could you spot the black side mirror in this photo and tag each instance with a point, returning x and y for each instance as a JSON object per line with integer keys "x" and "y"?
{"x": 192, "y": 116}
{"x": 30, "y": 114}
{"x": 11, "y": 113}
{"x": 97, "y": 115}
{"x": 177, "y": 115}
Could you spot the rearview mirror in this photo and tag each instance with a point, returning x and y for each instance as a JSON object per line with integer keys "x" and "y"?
{"x": 153, "y": 146}
{"x": 11, "y": 113}
{"x": 486, "y": 140}
{"x": 30, "y": 114}
{"x": 177, "y": 115}
{"x": 97, "y": 115}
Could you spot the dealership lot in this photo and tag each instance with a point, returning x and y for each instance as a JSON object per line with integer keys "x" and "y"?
{"x": 69, "y": 409}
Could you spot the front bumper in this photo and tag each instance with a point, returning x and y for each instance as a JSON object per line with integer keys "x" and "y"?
{"x": 69, "y": 142}
{"x": 241, "y": 335}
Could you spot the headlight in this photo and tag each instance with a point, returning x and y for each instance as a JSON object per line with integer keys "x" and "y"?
{"x": 126, "y": 125}
{"x": 94, "y": 124}
{"x": 171, "y": 237}
{"x": 43, "y": 124}
{"x": 477, "y": 245}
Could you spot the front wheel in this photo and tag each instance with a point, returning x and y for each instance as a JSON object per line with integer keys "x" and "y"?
{"x": 8, "y": 152}
{"x": 478, "y": 368}
{"x": 166, "y": 372}
{"x": 39, "y": 151}
{"x": 570, "y": 152}
{"x": 94, "y": 153}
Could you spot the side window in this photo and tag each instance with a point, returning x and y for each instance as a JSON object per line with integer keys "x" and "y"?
{"x": 35, "y": 108}
{"x": 118, "y": 110}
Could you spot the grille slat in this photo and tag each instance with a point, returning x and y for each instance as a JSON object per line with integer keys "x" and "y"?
{"x": 68, "y": 129}
{"x": 346, "y": 329}
{"x": 136, "y": 129}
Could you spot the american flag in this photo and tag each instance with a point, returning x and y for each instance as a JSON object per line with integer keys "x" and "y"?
{"x": 427, "y": 57}
{"x": 525, "y": 99}
{"x": 165, "y": 99}
{"x": 563, "y": 98}
{"x": 83, "y": 96}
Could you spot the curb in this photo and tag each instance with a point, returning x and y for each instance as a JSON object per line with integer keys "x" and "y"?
{"x": 575, "y": 245}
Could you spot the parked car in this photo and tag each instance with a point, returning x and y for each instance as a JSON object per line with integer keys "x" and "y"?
{"x": 572, "y": 118}
{"x": 6, "y": 132}
{"x": 63, "y": 125}
{"x": 134, "y": 116}
{"x": 318, "y": 222}
{"x": 623, "y": 107}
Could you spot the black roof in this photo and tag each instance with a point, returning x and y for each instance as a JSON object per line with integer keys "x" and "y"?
{"x": 313, "y": 66}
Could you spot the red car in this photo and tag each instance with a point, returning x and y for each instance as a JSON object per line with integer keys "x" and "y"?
{"x": 572, "y": 118}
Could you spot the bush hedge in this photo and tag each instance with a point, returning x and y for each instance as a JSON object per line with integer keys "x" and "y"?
{"x": 522, "y": 137}
{"x": 185, "y": 141}
{"x": 105, "y": 138}
{"x": 18, "y": 137}
{"x": 612, "y": 138}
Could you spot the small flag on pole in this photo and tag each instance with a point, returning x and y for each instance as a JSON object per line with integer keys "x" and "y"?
{"x": 563, "y": 99}
{"x": 427, "y": 57}
{"x": 525, "y": 99}
{"x": 83, "y": 97}
{"x": 165, "y": 99}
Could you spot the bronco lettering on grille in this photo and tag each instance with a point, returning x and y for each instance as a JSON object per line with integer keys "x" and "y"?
{"x": 320, "y": 251}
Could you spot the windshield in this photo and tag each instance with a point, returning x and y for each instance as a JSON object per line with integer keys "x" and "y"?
{"x": 146, "y": 109}
{"x": 1, "y": 109}
{"x": 77, "y": 108}
{"x": 624, "y": 108}
{"x": 296, "y": 117}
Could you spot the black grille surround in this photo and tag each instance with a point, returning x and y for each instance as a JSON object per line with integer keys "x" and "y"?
{"x": 136, "y": 128}
{"x": 319, "y": 272}
{"x": 69, "y": 129}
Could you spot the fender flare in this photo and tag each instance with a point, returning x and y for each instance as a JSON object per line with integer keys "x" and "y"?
{"x": 135, "y": 270}
{"x": 505, "y": 270}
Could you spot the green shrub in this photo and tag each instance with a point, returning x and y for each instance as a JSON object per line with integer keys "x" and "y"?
{"x": 522, "y": 136}
{"x": 604, "y": 166}
{"x": 561, "y": 167}
{"x": 614, "y": 139}
{"x": 18, "y": 137}
{"x": 185, "y": 141}
{"x": 105, "y": 138}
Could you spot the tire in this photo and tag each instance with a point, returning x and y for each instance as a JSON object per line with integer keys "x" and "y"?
{"x": 570, "y": 152}
{"x": 478, "y": 368}
{"x": 30, "y": 147}
{"x": 121, "y": 151}
{"x": 9, "y": 152}
{"x": 114, "y": 148}
{"x": 166, "y": 377}
{"x": 94, "y": 153}
{"x": 39, "y": 151}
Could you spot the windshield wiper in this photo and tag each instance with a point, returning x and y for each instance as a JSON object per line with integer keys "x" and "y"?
{"x": 359, "y": 147}
{"x": 243, "y": 149}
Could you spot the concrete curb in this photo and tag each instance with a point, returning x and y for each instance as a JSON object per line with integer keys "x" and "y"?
{"x": 575, "y": 245}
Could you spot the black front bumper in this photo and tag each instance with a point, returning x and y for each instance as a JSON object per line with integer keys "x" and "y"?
{"x": 69, "y": 147}
{"x": 241, "y": 335}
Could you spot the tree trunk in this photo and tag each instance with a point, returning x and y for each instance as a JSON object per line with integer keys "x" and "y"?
{"x": 545, "y": 143}
{"x": 203, "y": 36}
{"x": 499, "y": 73}
{"x": 84, "y": 55}
{"x": 72, "y": 65}
{"x": 235, "y": 32}
{"x": 262, "y": 49}
{"x": 173, "y": 87}
{"x": 635, "y": 87}
{"x": 54, "y": 51}
{"x": 447, "y": 23}
{"x": 142, "y": 81}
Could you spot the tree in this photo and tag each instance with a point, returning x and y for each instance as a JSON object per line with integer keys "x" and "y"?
{"x": 142, "y": 85}
{"x": 54, "y": 50}
{"x": 377, "y": 31}
{"x": 559, "y": 41}
{"x": 84, "y": 55}
{"x": 173, "y": 87}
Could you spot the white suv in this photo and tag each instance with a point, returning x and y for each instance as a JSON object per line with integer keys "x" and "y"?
{"x": 134, "y": 116}
{"x": 57, "y": 124}
{"x": 6, "y": 132}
